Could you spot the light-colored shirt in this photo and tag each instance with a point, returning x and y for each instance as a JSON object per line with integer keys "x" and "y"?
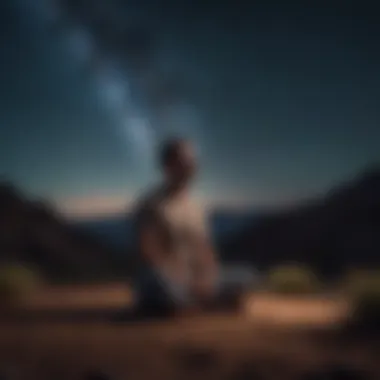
{"x": 181, "y": 224}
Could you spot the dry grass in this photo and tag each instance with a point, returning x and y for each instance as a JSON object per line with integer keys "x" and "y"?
{"x": 114, "y": 295}
{"x": 267, "y": 340}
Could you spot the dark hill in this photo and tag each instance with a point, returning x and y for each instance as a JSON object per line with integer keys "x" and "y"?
{"x": 34, "y": 233}
{"x": 333, "y": 233}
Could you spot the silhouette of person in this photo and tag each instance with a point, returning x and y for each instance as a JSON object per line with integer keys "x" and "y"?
{"x": 177, "y": 264}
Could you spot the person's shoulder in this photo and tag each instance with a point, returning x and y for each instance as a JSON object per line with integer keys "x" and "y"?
{"x": 196, "y": 210}
{"x": 196, "y": 206}
{"x": 197, "y": 218}
{"x": 148, "y": 199}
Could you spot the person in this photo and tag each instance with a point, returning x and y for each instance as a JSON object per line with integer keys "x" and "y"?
{"x": 178, "y": 268}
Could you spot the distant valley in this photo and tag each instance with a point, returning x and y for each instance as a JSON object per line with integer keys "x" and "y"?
{"x": 331, "y": 234}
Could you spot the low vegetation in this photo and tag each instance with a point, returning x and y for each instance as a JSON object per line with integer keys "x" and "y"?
{"x": 17, "y": 281}
{"x": 363, "y": 289}
{"x": 292, "y": 280}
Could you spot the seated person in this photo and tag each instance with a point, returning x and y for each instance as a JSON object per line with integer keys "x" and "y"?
{"x": 178, "y": 270}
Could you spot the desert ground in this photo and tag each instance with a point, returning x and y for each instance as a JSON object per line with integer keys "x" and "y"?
{"x": 271, "y": 337}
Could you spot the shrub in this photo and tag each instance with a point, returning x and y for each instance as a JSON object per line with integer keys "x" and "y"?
{"x": 16, "y": 282}
{"x": 357, "y": 281}
{"x": 293, "y": 279}
{"x": 363, "y": 290}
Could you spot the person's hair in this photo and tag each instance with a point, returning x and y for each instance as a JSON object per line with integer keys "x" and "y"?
{"x": 169, "y": 150}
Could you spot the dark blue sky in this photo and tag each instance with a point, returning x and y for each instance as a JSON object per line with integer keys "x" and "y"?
{"x": 283, "y": 102}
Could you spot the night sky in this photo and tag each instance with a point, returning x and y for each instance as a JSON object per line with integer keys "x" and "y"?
{"x": 283, "y": 102}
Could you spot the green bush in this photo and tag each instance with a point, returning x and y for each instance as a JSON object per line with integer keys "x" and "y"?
{"x": 16, "y": 283}
{"x": 358, "y": 281}
{"x": 363, "y": 290}
{"x": 292, "y": 279}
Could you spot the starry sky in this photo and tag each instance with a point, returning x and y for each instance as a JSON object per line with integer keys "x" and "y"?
{"x": 282, "y": 101}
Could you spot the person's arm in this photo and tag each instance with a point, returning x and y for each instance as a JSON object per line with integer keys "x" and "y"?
{"x": 149, "y": 238}
{"x": 206, "y": 261}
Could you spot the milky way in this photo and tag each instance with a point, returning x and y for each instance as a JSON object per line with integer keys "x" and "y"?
{"x": 117, "y": 44}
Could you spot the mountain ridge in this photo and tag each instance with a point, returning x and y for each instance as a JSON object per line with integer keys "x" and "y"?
{"x": 332, "y": 233}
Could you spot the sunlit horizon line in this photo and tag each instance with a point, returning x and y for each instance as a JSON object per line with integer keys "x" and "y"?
{"x": 104, "y": 206}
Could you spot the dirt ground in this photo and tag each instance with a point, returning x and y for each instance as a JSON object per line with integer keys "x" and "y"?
{"x": 270, "y": 338}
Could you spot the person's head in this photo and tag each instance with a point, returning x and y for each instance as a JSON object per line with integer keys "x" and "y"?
{"x": 178, "y": 161}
